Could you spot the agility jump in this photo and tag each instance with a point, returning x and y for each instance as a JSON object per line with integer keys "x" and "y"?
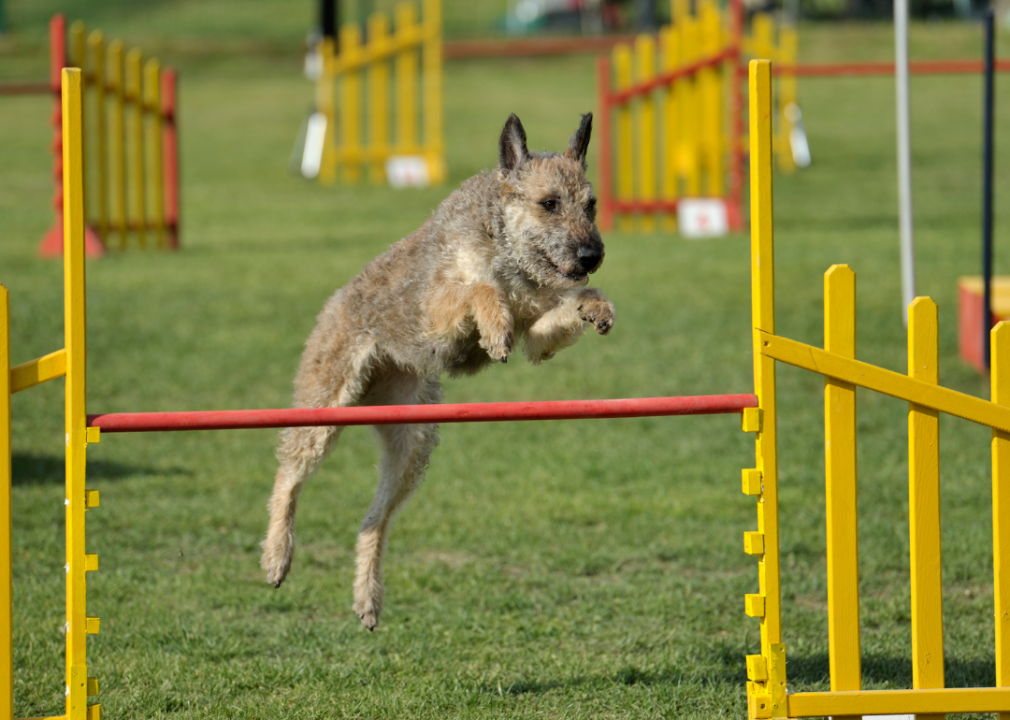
{"x": 767, "y": 688}
{"x": 131, "y": 169}
{"x": 363, "y": 70}
{"x": 676, "y": 103}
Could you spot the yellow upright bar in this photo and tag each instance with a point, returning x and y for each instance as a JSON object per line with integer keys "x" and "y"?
{"x": 645, "y": 50}
{"x": 690, "y": 52}
{"x": 136, "y": 174}
{"x": 767, "y": 691}
{"x": 325, "y": 104}
{"x": 78, "y": 624}
{"x": 77, "y": 57}
{"x": 1000, "y": 371}
{"x": 406, "y": 82}
{"x": 924, "y": 503}
{"x": 840, "y": 484}
{"x": 669, "y": 55}
{"x": 350, "y": 105}
{"x": 431, "y": 78}
{"x": 152, "y": 106}
{"x": 786, "y": 97}
{"x": 6, "y": 554}
{"x": 625, "y": 141}
{"x": 710, "y": 91}
{"x": 97, "y": 46}
{"x": 378, "y": 97}
{"x": 118, "y": 146}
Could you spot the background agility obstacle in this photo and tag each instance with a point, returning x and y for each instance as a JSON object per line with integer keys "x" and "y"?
{"x": 131, "y": 165}
{"x": 368, "y": 118}
{"x": 766, "y": 671}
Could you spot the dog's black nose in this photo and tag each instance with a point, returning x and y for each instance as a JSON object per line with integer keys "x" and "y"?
{"x": 589, "y": 257}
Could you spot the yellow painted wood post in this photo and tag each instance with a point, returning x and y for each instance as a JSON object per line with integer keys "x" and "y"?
{"x": 710, "y": 89}
{"x": 152, "y": 106}
{"x": 135, "y": 175}
{"x": 924, "y": 503}
{"x": 840, "y": 484}
{"x": 625, "y": 141}
{"x": 6, "y": 526}
{"x": 325, "y": 104}
{"x": 786, "y": 97}
{"x": 679, "y": 9}
{"x": 118, "y": 141}
{"x": 767, "y": 689}
{"x": 762, "y": 34}
{"x": 689, "y": 100}
{"x": 378, "y": 97}
{"x": 431, "y": 78}
{"x": 77, "y": 57}
{"x": 645, "y": 51}
{"x": 350, "y": 104}
{"x": 96, "y": 44}
{"x": 405, "y": 19}
{"x": 1000, "y": 378}
{"x": 79, "y": 625}
{"x": 669, "y": 56}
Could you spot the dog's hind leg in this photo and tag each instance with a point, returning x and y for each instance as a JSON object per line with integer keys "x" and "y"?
{"x": 405, "y": 452}
{"x": 301, "y": 452}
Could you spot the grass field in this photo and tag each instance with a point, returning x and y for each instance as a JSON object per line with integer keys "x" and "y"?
{"x": 579, "y": 569}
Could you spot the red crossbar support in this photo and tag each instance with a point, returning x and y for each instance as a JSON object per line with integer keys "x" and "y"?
{"x": 619, "y": 98}
{"x": 403, "y": 414}
{"x": 915, "y": 67}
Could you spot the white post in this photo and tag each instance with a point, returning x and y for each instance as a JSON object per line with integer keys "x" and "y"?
{"x": 904, "y": 157}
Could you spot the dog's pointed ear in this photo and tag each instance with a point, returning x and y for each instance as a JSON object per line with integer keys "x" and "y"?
{"x": 579, "y": 144}
{"x": 512, "y": 150}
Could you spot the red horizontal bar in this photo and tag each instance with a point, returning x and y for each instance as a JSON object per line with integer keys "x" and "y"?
{"x": 622, "y": 96}
{"x": 25, "y": 88}
{"x": 403, "y": 414}
{"x": 644, "y": 206}
{"x": 915, "y": 67}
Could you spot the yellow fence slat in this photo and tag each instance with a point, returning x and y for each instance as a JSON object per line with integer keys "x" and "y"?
{"x": 840, "y": 484}
{"x": 924, "y": 503}
{"x": 96, "y": 46}
{"x": 152, "y": 103}
{"x": 431, "y": 88}
{"x": 117, "y": 151}
{"x": 406, "y": 82}
{"x": 645, "y": 56}
{"x": 1000, "y": 372}
{"x": 135, "y": 176}
{"x": 378, "y": 98}
{"x": 669, "y": 47}
{"x": 625, "y": 141}
{"x": 350, "y": 99}
{"x": 887, "y": 382}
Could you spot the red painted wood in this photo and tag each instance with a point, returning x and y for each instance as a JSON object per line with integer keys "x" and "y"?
{"x": 402, "y": 414}
{"x": 606, "y": 197}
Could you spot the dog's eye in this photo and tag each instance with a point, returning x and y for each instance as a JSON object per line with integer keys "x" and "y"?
{"x": 549, "y": 205}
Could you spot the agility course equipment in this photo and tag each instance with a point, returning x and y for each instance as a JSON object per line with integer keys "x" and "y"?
{"x": 767, "y": 689}
{"x": 131, "y": 171}
{"x": 686, "y": 106}
{"x": 354, "y": 93}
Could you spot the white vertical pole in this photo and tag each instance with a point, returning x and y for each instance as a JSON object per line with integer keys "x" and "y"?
{"x": 904, "y": 157}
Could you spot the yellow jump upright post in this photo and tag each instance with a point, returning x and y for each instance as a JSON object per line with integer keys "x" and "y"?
{"x": 766, "y": 687}
{"x": 78, "y": 685}
{"x": 6, "y": 549}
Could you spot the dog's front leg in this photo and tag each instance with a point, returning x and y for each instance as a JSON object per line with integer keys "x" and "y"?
{"x": 563, "y": 324}
{"x": 494, "y": 321}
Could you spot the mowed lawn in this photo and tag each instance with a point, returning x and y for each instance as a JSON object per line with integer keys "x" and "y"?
{"x": 549, "y": 569}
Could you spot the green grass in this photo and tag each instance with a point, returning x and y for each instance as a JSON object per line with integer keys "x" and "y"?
{"x": 590, "y": 568}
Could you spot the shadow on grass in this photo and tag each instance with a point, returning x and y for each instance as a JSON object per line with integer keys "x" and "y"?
{"x": 728, "y": 669}
{"x": 30, "y": 469}
{"x": 890, "y": 670}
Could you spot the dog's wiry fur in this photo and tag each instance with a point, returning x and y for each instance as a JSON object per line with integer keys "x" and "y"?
{"x": 504, "y": 259}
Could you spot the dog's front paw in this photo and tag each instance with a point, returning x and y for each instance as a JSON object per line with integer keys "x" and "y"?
{"x": 498, "y": 346}
{"x": 599, "y": 312}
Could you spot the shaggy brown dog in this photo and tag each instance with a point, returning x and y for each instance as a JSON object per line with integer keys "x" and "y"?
{"x": 504, "y": 258}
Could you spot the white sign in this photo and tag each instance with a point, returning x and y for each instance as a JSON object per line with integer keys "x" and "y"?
{"x": 702, "y": 218}
{"x": 315, "y": 136}
{"x": 407, "y": 171}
